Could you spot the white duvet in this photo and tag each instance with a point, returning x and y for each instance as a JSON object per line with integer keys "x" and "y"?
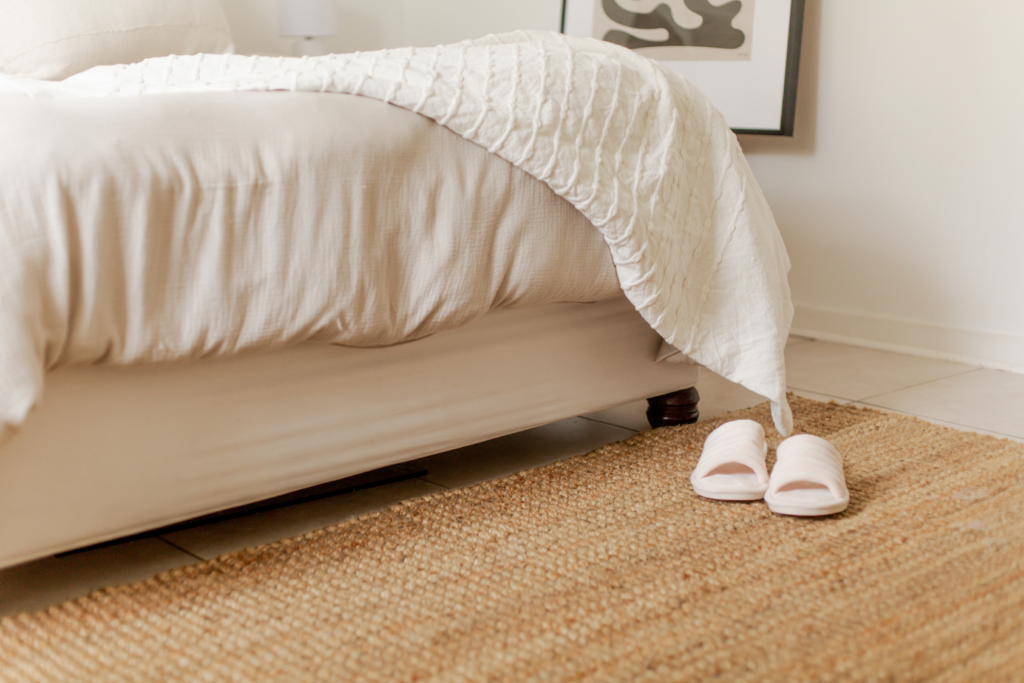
{"x": 632, "y": 146}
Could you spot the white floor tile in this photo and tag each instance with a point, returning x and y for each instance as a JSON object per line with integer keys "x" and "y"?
{"x": 943, "y": 423}
{"x": 855, "y": 373}
{"x": 824, "y": 398}
{"x": 989, "y": 400}
{"x": 516, "y": 452}
{"x": 52, "y": 580}
{"x": 632, "y": 416}
{"x": 217, "y": 538}
{"x": 719, "y": 396}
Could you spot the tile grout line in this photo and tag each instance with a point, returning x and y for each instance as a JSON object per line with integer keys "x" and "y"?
{"x": 434, "y": 483}
{"x": 184, "y": 550}
{"x": 928, "y": 418}
{"x": 921, "y": 384}
{"x": 832, "y": 397}
{"x": 610, "y": 424}
{"x": 870, "y": 396}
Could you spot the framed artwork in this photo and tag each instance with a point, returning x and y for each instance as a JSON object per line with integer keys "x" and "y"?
{"x": 743, "y": 54}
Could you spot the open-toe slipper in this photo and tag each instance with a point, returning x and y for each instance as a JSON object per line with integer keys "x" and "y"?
{"x": 731, "y": 466}
{"x": 807, "y": 479}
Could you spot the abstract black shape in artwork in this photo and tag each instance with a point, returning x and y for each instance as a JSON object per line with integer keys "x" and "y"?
{"x": 716, "y": 29}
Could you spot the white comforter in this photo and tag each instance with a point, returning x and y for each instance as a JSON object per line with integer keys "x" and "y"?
{"x": 631, "y": 145}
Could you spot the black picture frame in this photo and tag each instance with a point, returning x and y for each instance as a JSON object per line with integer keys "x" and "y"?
{"x": 784, "y": 74}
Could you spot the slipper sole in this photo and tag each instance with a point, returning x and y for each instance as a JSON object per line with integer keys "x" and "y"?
{"x": 796, "y": 511}
{"x": 735, "y": 495}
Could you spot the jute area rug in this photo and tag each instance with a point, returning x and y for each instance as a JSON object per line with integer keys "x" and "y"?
{"x": 601, "y": 567}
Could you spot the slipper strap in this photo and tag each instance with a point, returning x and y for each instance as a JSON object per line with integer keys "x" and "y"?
{"x": 811, "y": 459}
{"x": 740, "y": 451}
{"x": 747, "y": 429}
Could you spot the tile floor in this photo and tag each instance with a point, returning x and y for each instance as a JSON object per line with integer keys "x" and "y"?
{"x": 952, "y": 394}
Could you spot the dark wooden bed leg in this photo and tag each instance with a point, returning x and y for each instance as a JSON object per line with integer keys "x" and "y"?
{"x": 677, "y": 408}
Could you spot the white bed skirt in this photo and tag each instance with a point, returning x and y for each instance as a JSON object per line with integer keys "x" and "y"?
{"x": 115, "y": 451}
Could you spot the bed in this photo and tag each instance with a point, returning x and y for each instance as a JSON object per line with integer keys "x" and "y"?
{"x": 237, "y": 277}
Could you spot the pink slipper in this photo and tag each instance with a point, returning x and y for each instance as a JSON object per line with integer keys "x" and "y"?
{"x": 807, "y": 479}
{"x": 731, "y": 466}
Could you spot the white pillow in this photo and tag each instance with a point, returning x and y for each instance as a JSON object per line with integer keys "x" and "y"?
{"x": 54, "y": 39}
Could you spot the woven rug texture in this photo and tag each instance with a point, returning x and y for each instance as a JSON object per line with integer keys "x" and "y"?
{"x": 601, "y": 567}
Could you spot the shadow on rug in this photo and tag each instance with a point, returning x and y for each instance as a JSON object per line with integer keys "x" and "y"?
{"x": 605, "y": 567}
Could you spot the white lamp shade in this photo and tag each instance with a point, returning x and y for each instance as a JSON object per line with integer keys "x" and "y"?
{"x": 307, "y": 17}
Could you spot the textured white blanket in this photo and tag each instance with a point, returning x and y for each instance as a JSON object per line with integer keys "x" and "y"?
{"x": 630, "y": 144}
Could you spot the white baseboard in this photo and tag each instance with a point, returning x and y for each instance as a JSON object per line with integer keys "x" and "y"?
{"x": 976, "y": 347}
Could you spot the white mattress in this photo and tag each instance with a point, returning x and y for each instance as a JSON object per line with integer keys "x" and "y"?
{"x": 117, "y": 450}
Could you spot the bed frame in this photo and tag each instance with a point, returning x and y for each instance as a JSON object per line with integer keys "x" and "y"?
{"x": 113, "y": 451}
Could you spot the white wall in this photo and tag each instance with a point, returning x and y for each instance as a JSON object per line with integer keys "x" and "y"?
{"x": 901, "y": 197}
{"x": 376, "y": 24}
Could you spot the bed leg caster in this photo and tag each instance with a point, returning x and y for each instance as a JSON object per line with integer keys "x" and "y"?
{"x": 677, "y": 408}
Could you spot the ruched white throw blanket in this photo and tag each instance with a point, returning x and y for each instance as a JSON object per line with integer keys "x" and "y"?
{"x": 634, "y": 147}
